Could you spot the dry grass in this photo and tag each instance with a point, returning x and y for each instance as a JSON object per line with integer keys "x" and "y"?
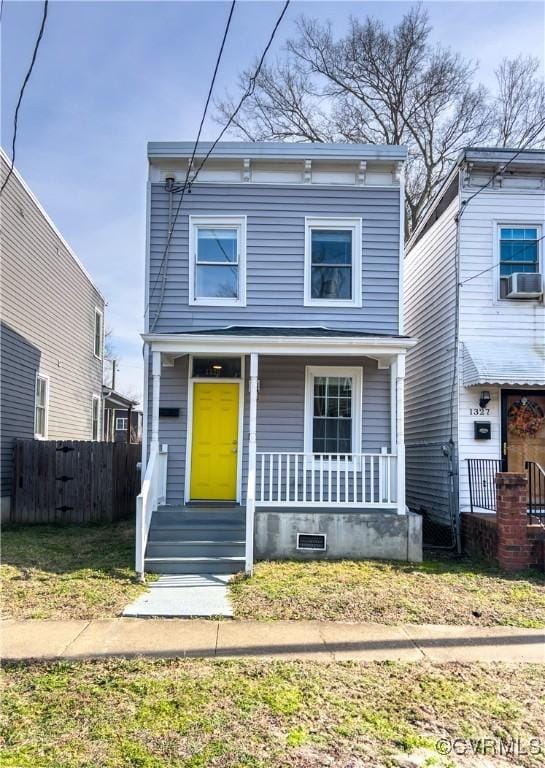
{"x": 438, "y": 591}
{"x": 68, "y": 572}
{"x": 229, "y": 714}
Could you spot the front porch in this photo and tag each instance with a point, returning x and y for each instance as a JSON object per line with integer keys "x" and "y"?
{"x": 307, "y": 429}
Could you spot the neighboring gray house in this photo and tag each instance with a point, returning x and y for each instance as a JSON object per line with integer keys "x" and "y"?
{"x": 52, "y": 323}
{"x": 274, "y": 347}
{"x": 474, "y": 300}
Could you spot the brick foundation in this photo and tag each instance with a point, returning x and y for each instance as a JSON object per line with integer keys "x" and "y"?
{"x": 479, "y": 535}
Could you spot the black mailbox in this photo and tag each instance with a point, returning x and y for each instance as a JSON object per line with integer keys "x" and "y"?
{"x": 483, "y": 430}
{"x": 169, "y": 413}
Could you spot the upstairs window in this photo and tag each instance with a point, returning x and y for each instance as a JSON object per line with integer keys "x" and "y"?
{"x": 98, "y": 333}
{"x": 40, "y": 407}
{"x": 333, "y": 262}
{"x": 218, "y": 261}
{"x": 519, "y": 252}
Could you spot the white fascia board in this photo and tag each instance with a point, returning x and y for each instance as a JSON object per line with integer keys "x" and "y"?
{"x": 277, "y": 345}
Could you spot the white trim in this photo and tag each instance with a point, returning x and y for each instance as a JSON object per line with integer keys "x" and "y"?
{"x": 145, "y": 408}
{"x": 147, "y": 269}
{"x": 191, "y": 381}
{"x": 182, "y": 344}
{"x": 44, "y": 377}
{"x": 252, "y": 463}
{"x": 514, "y": 223}
{"x": 97, "y": 399}
{"x": 231, "y": 222}
{"x": 43, "y": 213}
{"x": 123, "y": 428}
{"x": 340, "y": 223}
{"x": 356, "y": 374}
{"x": 100, "y": 312}
{"x": 401, "y": 265}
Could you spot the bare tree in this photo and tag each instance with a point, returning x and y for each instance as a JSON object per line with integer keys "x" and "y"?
{"x": 377, "y": 85}
{"x": 520, "y": 103}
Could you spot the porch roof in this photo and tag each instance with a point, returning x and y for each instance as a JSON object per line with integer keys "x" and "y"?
{"x": 503, "y": 363}
{"x": 279, "y": 340}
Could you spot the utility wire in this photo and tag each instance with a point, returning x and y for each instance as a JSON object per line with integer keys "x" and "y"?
{"x": 162, "y": 273}
{"x": 529, "y": 244}
{"x": 21, "y": 92}
{"x": 187, "y": 184}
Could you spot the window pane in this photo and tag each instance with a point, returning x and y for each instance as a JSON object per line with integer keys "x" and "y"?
{"x": 98, "y": 334}
{"x": 331, "y": 283}
{"x": 217, "y": 245}
{"x": 332, "y": 422}
{"x": 217, "y": 367}
{"x": 331, "y": 247}
{"x": 217, "y": 282}
{"x": 40, "y": 421}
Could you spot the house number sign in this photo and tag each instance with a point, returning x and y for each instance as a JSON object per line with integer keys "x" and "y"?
{"x": 479, "y": 411}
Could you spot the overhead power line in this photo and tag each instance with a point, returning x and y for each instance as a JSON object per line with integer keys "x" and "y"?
{"x": 187, "y": 182}
{"x": 21, "y": 92}
{"x": 162, "y": 269}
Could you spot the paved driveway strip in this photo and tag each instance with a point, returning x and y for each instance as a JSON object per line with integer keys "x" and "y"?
{"x": 311, "y": 640}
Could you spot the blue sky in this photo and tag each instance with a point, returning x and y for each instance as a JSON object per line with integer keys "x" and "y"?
{"x": 112, "y": 75}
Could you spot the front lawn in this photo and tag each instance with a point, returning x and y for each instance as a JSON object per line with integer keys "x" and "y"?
{"x": 439, "y": 591}
{"x": 230, "y": 714}
{"x": 68, "y": 572}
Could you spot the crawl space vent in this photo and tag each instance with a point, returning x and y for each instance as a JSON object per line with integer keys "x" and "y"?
{"x": 311, "y": 541}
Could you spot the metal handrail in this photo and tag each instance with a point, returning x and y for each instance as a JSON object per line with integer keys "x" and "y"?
{"x": 536, "y": 489}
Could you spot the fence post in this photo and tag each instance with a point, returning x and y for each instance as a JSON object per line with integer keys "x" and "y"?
{"x": 514, "y": 548}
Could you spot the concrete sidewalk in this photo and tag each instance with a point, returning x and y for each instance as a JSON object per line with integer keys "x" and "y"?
{"x": 312, "y": 640}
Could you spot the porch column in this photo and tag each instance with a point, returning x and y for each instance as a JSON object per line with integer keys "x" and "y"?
{"x": 156, "y": 392}
{"x": 250, "y": 495}
{"x": 400, "y": 432}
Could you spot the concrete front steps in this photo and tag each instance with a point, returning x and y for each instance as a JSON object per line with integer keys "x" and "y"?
{"x": 196, "y": 539}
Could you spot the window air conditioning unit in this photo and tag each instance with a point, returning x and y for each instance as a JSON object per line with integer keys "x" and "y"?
{"x": 524, "y": 285}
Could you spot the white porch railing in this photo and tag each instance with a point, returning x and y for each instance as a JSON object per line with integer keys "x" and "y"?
{"x": 152, "y": 494}
{"x": 319, "y": 479}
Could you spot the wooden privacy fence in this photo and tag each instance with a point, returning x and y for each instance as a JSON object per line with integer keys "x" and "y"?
{"x": 72, "y": 481}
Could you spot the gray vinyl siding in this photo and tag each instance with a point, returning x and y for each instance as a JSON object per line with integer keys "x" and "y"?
{"x": 280, "y": 411}
{"x": 430, "y": 310}
{"x": 275, "y": 256}
{"x": 48, "y": 315}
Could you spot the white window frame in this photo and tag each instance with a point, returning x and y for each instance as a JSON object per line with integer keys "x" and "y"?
{"x": 98, "y": 313}
{"x": 353, "y": 224}
{"x": 123, "y": 428}
{"x": 44, "y": 378}
{"x": 356, "y": 373}
{"x": 97, "y": 399}
{"x": 520, "y": 224}
{"x": 211, "y": 222}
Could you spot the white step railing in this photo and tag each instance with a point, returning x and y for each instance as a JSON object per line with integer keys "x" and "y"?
{"x": 320, "y": 479}
{"x": 153, "y": 493}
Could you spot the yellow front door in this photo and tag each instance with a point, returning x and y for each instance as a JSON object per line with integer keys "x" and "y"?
{"x": 214, "y": 442}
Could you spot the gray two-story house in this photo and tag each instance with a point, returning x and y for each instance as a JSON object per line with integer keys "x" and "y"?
{"x": 51, "y": 334}
{"x": 275, "y": 353}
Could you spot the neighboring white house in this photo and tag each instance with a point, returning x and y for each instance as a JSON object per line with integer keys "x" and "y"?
{"x": 474, "y": 301}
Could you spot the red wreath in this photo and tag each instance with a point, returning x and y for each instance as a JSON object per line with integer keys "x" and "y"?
{"x": 525, "y": 418}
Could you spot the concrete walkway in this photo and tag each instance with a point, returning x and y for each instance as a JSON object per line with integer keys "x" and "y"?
{"x": 307, "y": 640}
{"x": 184, "y": 596}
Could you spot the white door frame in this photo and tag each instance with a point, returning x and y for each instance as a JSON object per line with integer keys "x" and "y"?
{"x": 191, "y": 381}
